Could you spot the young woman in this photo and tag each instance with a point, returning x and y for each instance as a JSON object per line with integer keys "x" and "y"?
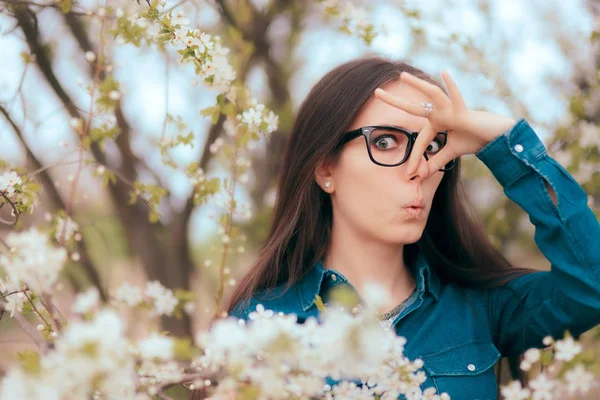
{"x": 370, "y": 192}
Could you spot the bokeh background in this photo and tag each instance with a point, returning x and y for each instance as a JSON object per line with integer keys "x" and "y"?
{"x": 537, "y": 59}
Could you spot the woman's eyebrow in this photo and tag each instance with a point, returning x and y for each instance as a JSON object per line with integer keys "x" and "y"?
{"x": 397, "y": 126}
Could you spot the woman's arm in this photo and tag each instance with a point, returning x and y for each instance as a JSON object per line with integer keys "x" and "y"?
{"x": 566, "y": 231}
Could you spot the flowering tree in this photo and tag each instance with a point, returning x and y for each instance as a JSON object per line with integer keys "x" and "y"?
{"x": 87, "y": 349}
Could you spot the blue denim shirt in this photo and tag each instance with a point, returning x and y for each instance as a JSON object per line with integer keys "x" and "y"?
{"x": 461, "y": 341}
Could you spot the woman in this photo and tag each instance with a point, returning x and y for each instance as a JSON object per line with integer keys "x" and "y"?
{"x": 370, "y": 192}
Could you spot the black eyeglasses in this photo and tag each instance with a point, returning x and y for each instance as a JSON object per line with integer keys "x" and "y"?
{"x": 390, "y": 146}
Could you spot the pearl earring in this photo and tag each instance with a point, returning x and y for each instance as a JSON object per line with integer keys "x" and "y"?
{"x": 327, "y": 184}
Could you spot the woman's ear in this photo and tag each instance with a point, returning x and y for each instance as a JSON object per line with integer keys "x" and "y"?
{"x": 324, "y": 177}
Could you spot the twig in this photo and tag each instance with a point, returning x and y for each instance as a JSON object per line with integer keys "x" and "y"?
{"x": 29, "y": 330}
{"x": 33, "y": 3}
{"x": 35, "y": 309}
{"x": 14, "y": 208}
{"x": 47, "y": 303}
{"x": 187, "y": 378}
{"x": 11, "y": 293}
{"x": 59, "y": 164}
{"x": 221, "y": 289}
{"x": 173, "y": 7}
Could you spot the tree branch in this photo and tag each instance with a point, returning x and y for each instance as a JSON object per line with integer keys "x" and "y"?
{"x": 88, "y": 266}
{"x": 142, "y": 236}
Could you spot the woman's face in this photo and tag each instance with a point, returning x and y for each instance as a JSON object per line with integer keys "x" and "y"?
{"x": 372, "y": 199}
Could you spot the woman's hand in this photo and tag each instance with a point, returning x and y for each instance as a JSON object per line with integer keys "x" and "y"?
{"x": 468, "y": 131}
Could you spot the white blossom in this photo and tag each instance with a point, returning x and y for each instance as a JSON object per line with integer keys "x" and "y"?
{"x": 514, "y": 391}
{"x": 156, "y": 347}
{"x": 164, "y": 299}
{"x": 589, "y": 134}
{"x": 33, "y": 260}
{"x": 90, "y": 356}
{"x": 90, "y": 56}
{"x": 86, "y": 301}
{"x": 375, "y": 295}
{"x": 8, "y": 180}
{"x": 532, "y": 355}
{"x": 567, "y": 349}
{"x": 579, "y": 381}
{"x": 14, "y": 303}
{"x": 70, "y": 229}
{"x": 180, "y": 19}
{"x": 130, "y": 295}
{"x": 542, "y": 387}
{"x": 114, "y": 95}
{"x": 586, "y": 171}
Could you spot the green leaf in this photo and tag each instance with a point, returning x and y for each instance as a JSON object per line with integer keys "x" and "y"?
{"x": 212, "y": 186}
{"x": 185, "y": 295}
{"x": 186, "y": 140}
{"x": 30, "y": 361}
{"x": 192, "y": 168}
{"x": 320, "y": 305}
{"x": 207, "y": 111}
{"x": 153, "y": 216}
{"x": 215, "y": 116}
{"x": 183, "y": 349}
{"x": 108, "y": 177}
{"x": 65, "y": 5}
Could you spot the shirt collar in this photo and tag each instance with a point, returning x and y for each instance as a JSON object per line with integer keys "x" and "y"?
{"x": 309, "y": 286}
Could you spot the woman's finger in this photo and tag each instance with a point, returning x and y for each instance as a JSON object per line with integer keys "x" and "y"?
{"x": 405, "y": 105}
{"x": 458, "y": 103}
{"x": 432, "y": 91}
{"x": 440, "y": 160}
{"x": 426, "y": 135}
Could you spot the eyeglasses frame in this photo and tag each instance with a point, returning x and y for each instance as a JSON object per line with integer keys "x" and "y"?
{"x": 412, "y": 137}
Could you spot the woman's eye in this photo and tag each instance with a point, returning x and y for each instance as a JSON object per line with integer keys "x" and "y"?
{"x": 385, "y": 142}
{"x": 435, "y": 146}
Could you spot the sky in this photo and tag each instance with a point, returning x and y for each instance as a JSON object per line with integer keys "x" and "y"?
{"x": 519, "y": 41}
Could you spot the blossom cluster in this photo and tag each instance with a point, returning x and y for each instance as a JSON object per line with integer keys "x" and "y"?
{"x": 17, "y": 190}
{"x": 564, "y": 374}
{"x": 343, "y": 356}
{"x": 352, "y": 18}
{"x": 32, "y": 261}
{"x": 160, "y": 299}
{"x": 8, "y": 182}
{"x": 200, "y": 49}
{"x": 245, "y": 119}
{"x": 89, "y": 357}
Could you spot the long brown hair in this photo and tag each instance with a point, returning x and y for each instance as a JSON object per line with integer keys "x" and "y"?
{"x": 454, "y": 242}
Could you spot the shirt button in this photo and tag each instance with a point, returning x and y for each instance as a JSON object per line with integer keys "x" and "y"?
{"x": 471, "y": 367}
{"x": 519, "y": 148}
{"x": 333, "y": 277}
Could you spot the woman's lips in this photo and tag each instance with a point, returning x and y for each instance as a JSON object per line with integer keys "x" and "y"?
{"x": 414, "y": 212}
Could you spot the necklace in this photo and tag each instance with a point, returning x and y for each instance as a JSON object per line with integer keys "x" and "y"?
{"x": 396, "y": 310}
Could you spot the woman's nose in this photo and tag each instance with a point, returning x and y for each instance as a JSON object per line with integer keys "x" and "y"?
{"x": 422, "y": 170}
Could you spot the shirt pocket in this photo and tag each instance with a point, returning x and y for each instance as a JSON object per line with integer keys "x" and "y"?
{"x": 464, "y": 370}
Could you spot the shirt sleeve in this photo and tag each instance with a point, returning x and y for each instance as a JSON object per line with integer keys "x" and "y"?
{"x": 567, "y": 297}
